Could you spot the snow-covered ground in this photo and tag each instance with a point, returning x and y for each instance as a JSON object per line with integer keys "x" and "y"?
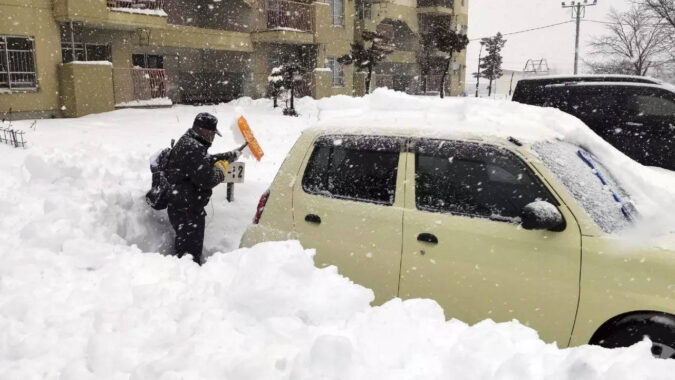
{"x": 86, "y": 294}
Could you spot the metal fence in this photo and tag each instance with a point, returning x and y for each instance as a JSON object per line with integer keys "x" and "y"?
{"x": 139, "y": 84}
{"x": 12, "y": 137}
{"x": 136, "y": 4}
{"x": 287, "y": 14}
{"x": 17, "y": 63}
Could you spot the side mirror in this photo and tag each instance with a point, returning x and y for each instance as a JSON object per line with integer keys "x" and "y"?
{"x": 541, "y": 215}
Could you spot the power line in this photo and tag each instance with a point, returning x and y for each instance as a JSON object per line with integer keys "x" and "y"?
{"x": 618, "y": 23}
{"x": 528, "y": 30}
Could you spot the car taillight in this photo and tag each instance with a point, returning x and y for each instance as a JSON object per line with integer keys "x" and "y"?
{"x": 261, "y": 206}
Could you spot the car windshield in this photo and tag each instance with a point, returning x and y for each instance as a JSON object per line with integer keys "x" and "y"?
{"x": 589, "y": 182}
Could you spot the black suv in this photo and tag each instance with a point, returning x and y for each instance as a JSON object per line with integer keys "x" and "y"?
{"x": 635, "y": 114}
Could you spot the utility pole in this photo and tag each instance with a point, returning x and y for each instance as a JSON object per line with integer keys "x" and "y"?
{"x": 478, "y": 72}
{"x": 578, "y": 11}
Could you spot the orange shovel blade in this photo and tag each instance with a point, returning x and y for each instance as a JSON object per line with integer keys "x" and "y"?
{"x": 250, "y": 139}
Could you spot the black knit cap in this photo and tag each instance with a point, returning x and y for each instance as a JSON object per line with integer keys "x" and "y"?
{"x": 207, "y": 121}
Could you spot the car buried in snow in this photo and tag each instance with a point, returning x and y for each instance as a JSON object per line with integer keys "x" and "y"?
{"x": 489, "y": 227}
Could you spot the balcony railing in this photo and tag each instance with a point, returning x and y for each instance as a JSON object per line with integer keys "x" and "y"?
{"x": 137, "y": 4}
{"x": 139, "y": 84}
{"x": 285, "y": 14}
{"x": 435, "y": 3}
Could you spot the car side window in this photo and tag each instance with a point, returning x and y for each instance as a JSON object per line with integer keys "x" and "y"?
{"x": 358, "y": 168}
{"x": 474, "y": 180}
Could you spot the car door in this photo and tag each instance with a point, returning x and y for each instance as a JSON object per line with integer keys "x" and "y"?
{"x": 463, "y": 245}
{"x": 348, "y": 205}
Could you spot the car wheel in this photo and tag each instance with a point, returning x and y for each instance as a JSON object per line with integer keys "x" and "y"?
{"x": 662, "y": 337}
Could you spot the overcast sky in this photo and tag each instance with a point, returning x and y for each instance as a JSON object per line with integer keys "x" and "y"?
{"x": 487, "y": 17}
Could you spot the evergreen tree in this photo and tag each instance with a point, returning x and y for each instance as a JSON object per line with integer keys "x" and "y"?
{"x": 368, "y": 53}
{"x": 292, "y": 77}
{"x": 275, "y": 85}
{"x": 491, "y": 65}
{"x": 442, "y": 36}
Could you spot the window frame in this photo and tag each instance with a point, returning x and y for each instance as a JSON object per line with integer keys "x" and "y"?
{"x": 146, "y": 60}
{"x": 338, "y": 15}
{"x": 338, "y": 71}
{"x": 413, "y": 145}
{"x": 4, "y": 51}
{"x": 323, "y": 140}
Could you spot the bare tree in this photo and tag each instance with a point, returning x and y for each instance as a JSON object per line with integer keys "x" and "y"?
{"x": 663, "y": 9}
{"x": 634, "y": 41}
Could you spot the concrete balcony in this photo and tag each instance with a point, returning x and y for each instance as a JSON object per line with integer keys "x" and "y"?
{"x": 436, "y": 7}
{"x": 116, "y": 14}
{"x": 286, "y": 21}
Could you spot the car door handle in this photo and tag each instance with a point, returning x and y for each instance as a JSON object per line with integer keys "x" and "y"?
{"x": 427, "y": 238}
{"x": 313, "y": 218}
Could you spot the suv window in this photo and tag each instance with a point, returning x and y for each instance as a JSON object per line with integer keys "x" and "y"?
{"x": 652, "y": 105}
{"x": 358, "y": 168}
{"x": 474, "y": 180}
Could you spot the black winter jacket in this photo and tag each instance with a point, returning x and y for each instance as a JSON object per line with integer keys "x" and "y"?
{"x": 191, "y": 172}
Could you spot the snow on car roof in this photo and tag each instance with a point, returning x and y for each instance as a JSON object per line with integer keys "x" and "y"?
{"x": 395, "y": 113}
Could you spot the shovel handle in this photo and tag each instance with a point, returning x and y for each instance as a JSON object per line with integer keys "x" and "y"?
{"x": 243, "y": 146}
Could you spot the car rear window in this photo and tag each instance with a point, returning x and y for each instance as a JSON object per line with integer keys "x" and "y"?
{"x": 357, "y": 168}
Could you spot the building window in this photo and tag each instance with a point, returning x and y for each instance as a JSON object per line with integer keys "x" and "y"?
{"x": 17, "y": 63}
{"x": 148, "y": 61}
{"x": 97, "y": 52}
{"x": 85, "y": 52}
{"x": 338, "y": 72}
{"x": 74, "y": 49}
{"x": 338, "y": 8}
{"x": 364, "y": 9}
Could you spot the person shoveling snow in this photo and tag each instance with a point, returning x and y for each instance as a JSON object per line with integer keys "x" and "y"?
{"x": 192, "y": 174}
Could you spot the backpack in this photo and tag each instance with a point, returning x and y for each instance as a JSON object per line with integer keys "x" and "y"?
{"x": 158, "y": 196}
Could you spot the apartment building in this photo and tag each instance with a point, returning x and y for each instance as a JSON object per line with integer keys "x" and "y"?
{"x": 76, "y": 57}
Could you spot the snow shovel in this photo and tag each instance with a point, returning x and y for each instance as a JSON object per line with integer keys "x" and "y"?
{"x": 252, "y": 143}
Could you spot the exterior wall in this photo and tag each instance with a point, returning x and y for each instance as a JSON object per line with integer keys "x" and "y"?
{"x": 34, "y": 18}
{"x": 334, "y": 42}
{"x": 86, "y": 88}
{"x": 237, "y": 52}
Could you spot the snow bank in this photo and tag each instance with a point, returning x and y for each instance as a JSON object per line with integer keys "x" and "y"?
{"x": 260, "y": 313}
{"x": 155, "y": 102}
{"x": 86, "y": 294}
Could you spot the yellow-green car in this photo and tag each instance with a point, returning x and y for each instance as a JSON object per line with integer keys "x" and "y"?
{"x": 487, "y": 227}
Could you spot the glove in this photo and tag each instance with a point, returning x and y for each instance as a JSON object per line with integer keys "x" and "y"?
{"x": 222, "y": 166}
